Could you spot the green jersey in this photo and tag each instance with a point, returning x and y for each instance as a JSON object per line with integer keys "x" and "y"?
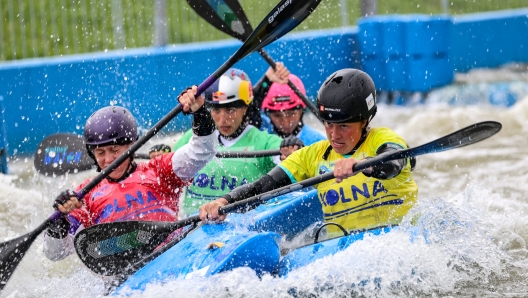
{"x": 221, "y": 175}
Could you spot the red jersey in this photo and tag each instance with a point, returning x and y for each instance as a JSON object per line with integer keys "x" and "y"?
{"x": 150, "y": 193}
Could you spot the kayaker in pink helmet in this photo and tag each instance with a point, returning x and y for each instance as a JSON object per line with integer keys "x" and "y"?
{"x": 284, "y": 110}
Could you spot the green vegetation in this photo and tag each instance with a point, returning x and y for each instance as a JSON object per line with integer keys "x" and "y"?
{"x": 30, "y": 28}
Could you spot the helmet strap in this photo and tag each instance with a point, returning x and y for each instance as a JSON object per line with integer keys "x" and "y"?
{"x": 130, "y": 169}
{"x": 295, "y": 132}
{"x": 361, "y": 140}
{"x": 235, "y": 134}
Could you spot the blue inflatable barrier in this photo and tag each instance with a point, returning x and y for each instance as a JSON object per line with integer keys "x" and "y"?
{"x": 489, "y": 39}
{"x": 406, "y": 53}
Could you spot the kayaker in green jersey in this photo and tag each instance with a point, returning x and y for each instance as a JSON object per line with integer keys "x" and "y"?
{"x": 379, "y": 196}
{"x": 228, "y": 100}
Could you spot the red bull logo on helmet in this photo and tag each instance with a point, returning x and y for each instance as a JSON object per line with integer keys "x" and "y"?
{"x": 219, "y": 96}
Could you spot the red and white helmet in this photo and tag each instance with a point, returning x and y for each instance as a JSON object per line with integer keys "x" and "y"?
{"x": 233, "y": 87}
{"x": 281, "y": 97}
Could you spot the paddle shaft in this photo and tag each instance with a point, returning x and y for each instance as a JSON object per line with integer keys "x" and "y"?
{"x": 204, "y": 9}
{"x": 306, "y": 101}
{"x": 464, "y": 137}
{"x": 233, "y": 154}
{"x": 461, "y": 138}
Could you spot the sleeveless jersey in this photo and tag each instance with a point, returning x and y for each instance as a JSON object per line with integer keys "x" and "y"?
{"x": 221, "y": 175}
{"x": 150, "y": 193}
{"x": 358, "y": 202}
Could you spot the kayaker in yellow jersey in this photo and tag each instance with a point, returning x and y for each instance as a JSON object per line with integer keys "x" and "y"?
{"x": 379, "y": 196}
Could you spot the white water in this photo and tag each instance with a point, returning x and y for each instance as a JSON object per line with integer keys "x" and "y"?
{"x": 472, "y": 200}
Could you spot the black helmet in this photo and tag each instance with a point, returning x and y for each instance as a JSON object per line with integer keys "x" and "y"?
{"x": 348, "y": 95}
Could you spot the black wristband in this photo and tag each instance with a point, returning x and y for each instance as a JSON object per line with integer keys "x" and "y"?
{"x": 58, "y": 228}
{"x": 229, "y": 199}
{"x": 203, "y": 123}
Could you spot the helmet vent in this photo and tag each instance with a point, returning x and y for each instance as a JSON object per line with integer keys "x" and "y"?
{"x": 330, "y": 79}
{"x": 337, "y": 80}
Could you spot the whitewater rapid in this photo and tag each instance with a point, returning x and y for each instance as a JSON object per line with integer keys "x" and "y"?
{"x": 472, "y": 200}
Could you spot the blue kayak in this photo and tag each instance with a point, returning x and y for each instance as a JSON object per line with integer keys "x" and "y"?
{"x": 305, "y": 255}
{"x": 246, "y": 240}
{"x": 249, "y": 240}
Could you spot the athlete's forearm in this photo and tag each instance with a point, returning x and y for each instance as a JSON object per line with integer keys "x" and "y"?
{"x": 193, "y": 156}
{"x": 56, "y": 249}
{"x": 260, "y": 90}
{"x": 203, "y": 123}
{"x": 276, "y": 178}
{"x": 389, "y": 169}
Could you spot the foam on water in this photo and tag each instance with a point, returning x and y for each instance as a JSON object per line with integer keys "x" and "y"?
{"x": 457, "y": 253}
{"x": 472, "y": 203}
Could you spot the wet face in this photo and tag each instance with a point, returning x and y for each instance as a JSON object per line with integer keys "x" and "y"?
{"x": 228, "y": 120}
{"x": 286, "y": 121}
{"x": 344, "y": 136}
{"x": 105, "y": 155}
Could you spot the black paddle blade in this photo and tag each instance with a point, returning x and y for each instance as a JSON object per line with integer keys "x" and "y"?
{"x": 229, "y": 17}
{"x": 12, "y": 252}
{"x": 115, "y": 247}
{"x": 283, "y": 18}
{"x": 110, "y": 248}
{"x": 460, "y": 138}
{"x": 225, "y": 15}
{"x": 59, "y": 154}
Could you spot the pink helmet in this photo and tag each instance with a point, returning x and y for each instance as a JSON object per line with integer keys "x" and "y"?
{"x": 281, "y": 97}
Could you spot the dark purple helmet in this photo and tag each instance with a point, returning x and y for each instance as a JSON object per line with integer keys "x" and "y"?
{"x": 110, "y": 126}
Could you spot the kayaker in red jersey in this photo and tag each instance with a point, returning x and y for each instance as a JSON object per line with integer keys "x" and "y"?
{"x": 144, "y": 191}
{"x": 379, "y": 196}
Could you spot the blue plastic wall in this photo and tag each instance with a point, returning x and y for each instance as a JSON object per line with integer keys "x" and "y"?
{"x": 401, "y": 53}
{"x": 406, "y": 52}
{"x": 46, "y": 96}
{"x": 489, "y": 39}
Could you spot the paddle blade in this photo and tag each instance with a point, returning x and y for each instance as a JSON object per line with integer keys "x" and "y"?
{"x": 110, "y": 248}
{"x": 225, "y": 15}
{"x": 115, "y": 247}
{"x": 12, "y": 252}
{"x": 466, "y": 136}
{"x": 59, "y": 154}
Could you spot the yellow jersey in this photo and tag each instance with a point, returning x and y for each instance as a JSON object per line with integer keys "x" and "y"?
{"x": 358, "y": 202}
